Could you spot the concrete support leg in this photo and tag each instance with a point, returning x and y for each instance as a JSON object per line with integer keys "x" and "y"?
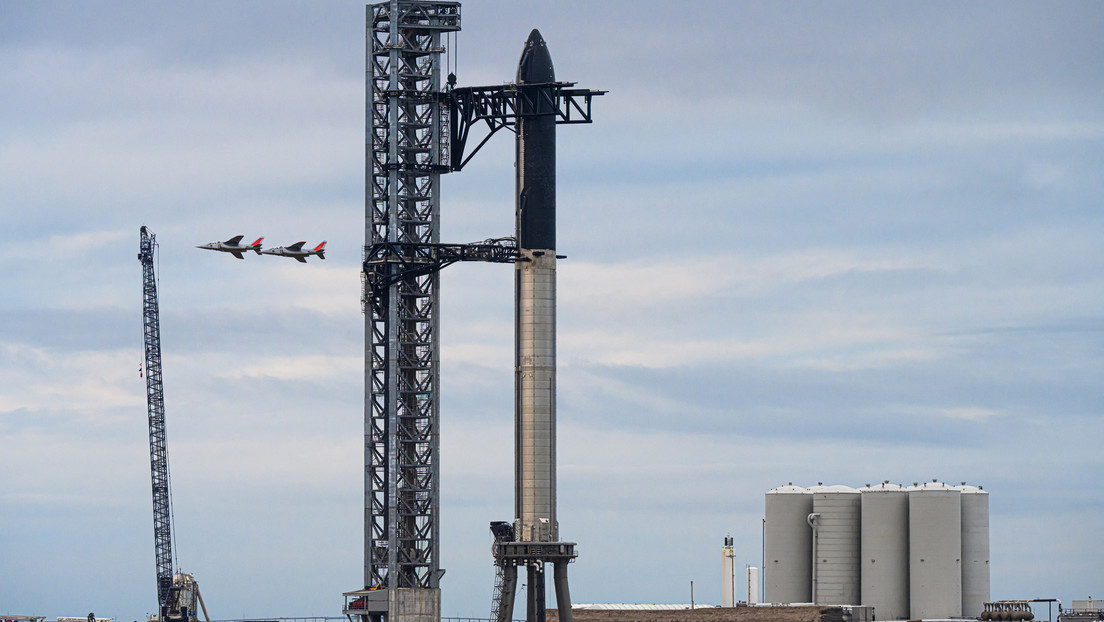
{"x": 509, "y": 590}
{"x": 563, "y": 596}
{"x": 534, "y": 611}
{"x": 414, "y": 605}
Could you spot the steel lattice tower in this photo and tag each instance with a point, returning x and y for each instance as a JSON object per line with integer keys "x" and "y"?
{"x": 155, "y": 402}
{"x": 406, "y": 152}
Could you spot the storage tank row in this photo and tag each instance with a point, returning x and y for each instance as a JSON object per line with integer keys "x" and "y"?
{"x": 918, "y": 552}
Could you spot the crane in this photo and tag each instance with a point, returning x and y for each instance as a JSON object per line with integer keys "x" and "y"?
{"x": 178, "y": 593}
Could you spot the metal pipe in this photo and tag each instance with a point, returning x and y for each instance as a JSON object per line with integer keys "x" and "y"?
{"x": 201, "y": 603}
{"x": 812, "y": 520}
{"x": 763, "y": 563}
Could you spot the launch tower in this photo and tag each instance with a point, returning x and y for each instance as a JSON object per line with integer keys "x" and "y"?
{"x": 416, "y": 130}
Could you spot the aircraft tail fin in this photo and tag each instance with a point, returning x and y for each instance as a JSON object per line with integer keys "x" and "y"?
{"x": 320, "y": 247}
{"x": 256, "y": 246}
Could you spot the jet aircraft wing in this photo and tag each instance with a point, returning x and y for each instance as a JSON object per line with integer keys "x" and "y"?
{"x": 234, "y": 240}
{"x": 237, "y": 254}
{"x": 298, "y": 246}
{"x": 301, "y": 259}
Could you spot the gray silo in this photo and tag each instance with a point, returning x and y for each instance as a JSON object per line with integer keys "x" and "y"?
{"x": 884, "y": 551}
{"x": 975, "y": 550}
{"x": 787, "y": 545}
{"x": 935, "y": 551}
{"x": 835, "y": 523}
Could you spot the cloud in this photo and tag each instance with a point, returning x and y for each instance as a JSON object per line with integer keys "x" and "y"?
{"x": 219, "y": 121}
{"x": 306, "y": 367}
{"x": 83, "y": 384}
{"x": 806, "y": 244}
{"x": 969, "y": 413}
{"x": 668, "y": 280}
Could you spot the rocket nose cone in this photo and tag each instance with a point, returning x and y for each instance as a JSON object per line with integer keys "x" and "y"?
{"x": 536, "y": 62}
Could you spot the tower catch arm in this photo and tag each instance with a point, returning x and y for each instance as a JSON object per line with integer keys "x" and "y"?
{"x": 499, "y": 106}
{"x": 386, "y": 263}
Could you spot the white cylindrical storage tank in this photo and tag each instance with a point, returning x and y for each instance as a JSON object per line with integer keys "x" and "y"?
{"x": 884, "y": 566}
{"x": 975, "y": 550}
{"x": 752, "y": 596}
{"x": 835, "y": 525}
{"x": 935, "y": 551}
{"x": 787, "y": 545}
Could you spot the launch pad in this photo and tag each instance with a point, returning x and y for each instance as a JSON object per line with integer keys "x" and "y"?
{"x": 534, "y": 557}
{"x": 417, "y": 130}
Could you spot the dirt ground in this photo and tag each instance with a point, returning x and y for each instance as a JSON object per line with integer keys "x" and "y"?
{"x": 712, "y": 614}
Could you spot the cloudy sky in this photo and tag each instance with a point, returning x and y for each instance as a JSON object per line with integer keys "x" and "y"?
{"x": 809, "y": 241}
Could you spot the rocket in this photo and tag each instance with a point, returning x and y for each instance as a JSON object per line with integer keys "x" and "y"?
{"x": 536, "y": 539}
{"x": 535, "y": 301}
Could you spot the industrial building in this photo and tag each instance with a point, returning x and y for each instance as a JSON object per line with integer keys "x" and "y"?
{"x": 684, "y": 613}
{"x": 1083, "y": 611}
{"x": 916, "y": 552}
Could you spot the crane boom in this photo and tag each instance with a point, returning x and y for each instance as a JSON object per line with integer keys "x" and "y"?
{"x": 155, "y": 399}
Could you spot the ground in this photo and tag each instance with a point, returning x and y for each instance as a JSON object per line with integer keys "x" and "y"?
{"x": 711, "y": 614}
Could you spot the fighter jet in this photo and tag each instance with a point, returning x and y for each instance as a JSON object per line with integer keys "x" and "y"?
{"x": 234, "y": 246}
{"x": 296, "y": 251}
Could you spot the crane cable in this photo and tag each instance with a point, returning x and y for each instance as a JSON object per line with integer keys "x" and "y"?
{"x": 452, "y": 60}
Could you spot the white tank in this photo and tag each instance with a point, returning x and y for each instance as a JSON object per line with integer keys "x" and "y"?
{"x": 835, "y": 524}
{"x": 752, "y": 596}
{"x": 935, "y": 551}
{"x": 884, "y": 551}
{"x": 787, "y": 545}
{"x": 975, "y": 550}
